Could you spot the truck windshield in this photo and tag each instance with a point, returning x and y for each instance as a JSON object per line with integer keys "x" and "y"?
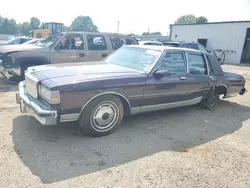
{"x": 49, "y": 41}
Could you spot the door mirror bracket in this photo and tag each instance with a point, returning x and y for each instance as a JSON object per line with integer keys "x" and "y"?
{"x": 159, "y": 74}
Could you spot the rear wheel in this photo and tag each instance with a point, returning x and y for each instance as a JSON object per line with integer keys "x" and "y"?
{"x": 102, "y": 116}
{"x": 211, "y": 101}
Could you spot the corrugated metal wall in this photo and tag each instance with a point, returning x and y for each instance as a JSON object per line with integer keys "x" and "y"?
{"x": 225, "y": 36}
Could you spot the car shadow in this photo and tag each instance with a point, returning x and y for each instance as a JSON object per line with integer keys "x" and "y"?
{"x": 59, "y": 153}
{"x": 6, "y": 85}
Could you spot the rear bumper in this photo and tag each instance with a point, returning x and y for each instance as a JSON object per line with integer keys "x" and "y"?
{"x": 45, "y": 117}
{"x": 243, "y": 91}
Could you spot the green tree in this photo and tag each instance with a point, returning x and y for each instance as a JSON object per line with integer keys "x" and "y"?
{"x": 152, "y": 34}
{"x": 7, "y": 26}
{"x": 186, "y": 19}
{"x": 34, "y": 23}
{"x": 83, "y": 23}
{"x": 201, "y": 20}
{"x": 24, "y": 28}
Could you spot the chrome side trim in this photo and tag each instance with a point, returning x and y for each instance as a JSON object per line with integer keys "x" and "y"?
{"x": 105, "y": 93}
{"x": 69, "y": 117}
{"x": 176, "y": 93}
{"x": 165, "y": 106}
{"x": 187, "y": 60}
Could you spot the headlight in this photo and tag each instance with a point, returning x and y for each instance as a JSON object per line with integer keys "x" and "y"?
{"x": 53, "y": 97}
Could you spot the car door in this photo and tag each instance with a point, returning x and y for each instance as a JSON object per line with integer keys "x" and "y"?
{"x": 198, "y": 74}
{"x": 63, "y": 51}
{"x": 98, "y": 47}
{"x": 177, "y": 88}
{"x": 80, "y": 48}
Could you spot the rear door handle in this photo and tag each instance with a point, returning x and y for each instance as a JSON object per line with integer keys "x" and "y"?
{"x": 81, "y": 55}
{"x": 104, "y": 55}
{"x": 183, "y": 78}
{"x": 211, "y": 78}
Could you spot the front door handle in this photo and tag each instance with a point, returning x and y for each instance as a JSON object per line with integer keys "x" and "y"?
{"x": 183, "y": 78}
{"x": 82, "y": 55}
{"x": 211, "y": 78}
{"x": 104, "y": 55}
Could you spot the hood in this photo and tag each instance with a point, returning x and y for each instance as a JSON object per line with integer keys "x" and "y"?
{"x": 18, "y": 47}
{"x": 78, "y": 72}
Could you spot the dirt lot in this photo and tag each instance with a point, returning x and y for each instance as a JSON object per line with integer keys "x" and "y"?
{"x": 187, "y": 147}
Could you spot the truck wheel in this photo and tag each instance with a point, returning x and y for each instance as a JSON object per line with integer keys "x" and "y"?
{"x": 101, "y": 116}
{"x": 211, "y": 101}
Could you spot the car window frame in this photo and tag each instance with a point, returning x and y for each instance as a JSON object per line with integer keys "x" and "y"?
{"x": 164, "y": 54}
{"x": 205, "y": 60}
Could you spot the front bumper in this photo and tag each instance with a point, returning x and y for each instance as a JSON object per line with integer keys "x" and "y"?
{"x": 45, "y": 117}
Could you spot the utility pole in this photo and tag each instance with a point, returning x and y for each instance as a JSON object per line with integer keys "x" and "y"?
{"x": 118, "y": 23}
{"x": 148, "y": 30}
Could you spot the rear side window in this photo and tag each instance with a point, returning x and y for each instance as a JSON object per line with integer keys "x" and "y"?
{"x": 96, "y": 42}
{"x": 129, "y": 41}
{"x": 202, "y": 48}
{"x": 116, "y": 43}
{"x": 197, "y": 64}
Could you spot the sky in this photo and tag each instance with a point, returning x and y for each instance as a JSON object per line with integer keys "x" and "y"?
{"x": 135, "y": 16}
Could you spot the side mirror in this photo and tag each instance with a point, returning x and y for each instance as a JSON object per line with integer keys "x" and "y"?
{"x": 159, "y": 74}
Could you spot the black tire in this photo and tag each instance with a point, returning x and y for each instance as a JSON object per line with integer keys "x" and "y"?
{"x": 93, "y": 126}
{"x": 211, "y": 101}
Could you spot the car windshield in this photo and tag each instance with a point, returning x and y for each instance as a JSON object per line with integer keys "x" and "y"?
{"x": 49, "y": 41}
{"x": 141, "y": 59}
{"x": 13, "y": 41}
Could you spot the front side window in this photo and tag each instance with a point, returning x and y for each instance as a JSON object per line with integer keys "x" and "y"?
{"x": 174, "y": 62}
{"x": 197, "y": 64}
{"x": 141, "y": 59}
{"x": 96, "y": 42}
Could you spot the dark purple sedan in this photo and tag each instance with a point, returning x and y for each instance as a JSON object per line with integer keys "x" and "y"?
{"x": 134, "y": 79}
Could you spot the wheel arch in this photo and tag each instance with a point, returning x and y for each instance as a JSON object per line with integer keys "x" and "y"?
{"x": 31, "y": 61}
{"x": 221, "y": 89}
{"x": 125, "y": 101}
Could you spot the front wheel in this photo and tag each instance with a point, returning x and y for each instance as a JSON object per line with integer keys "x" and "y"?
{"x": 102, "y": 116}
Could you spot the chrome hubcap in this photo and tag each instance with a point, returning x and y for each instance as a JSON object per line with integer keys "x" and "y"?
{"x": 104, "y": 116}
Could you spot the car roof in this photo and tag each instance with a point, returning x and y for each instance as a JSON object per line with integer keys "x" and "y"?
{"x": 164, "y": 48}
{"x": 98, "y": 33}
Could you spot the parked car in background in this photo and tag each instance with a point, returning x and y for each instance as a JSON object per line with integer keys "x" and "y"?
{"x": 192, "y": 45}
{"x": 172, "y": 44}
{"x": 33, "y": 41}
{"x": 60, "y": 48}
{"x": 134, "y": 79}
{"x": 155, "y": 43}
{"x": 16, "y": 40}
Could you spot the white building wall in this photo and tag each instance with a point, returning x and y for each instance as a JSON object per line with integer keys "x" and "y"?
{"x": 225, "y": 36}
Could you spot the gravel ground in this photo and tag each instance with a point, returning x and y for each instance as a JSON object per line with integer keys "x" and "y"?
{"x": 186, "y": 147}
